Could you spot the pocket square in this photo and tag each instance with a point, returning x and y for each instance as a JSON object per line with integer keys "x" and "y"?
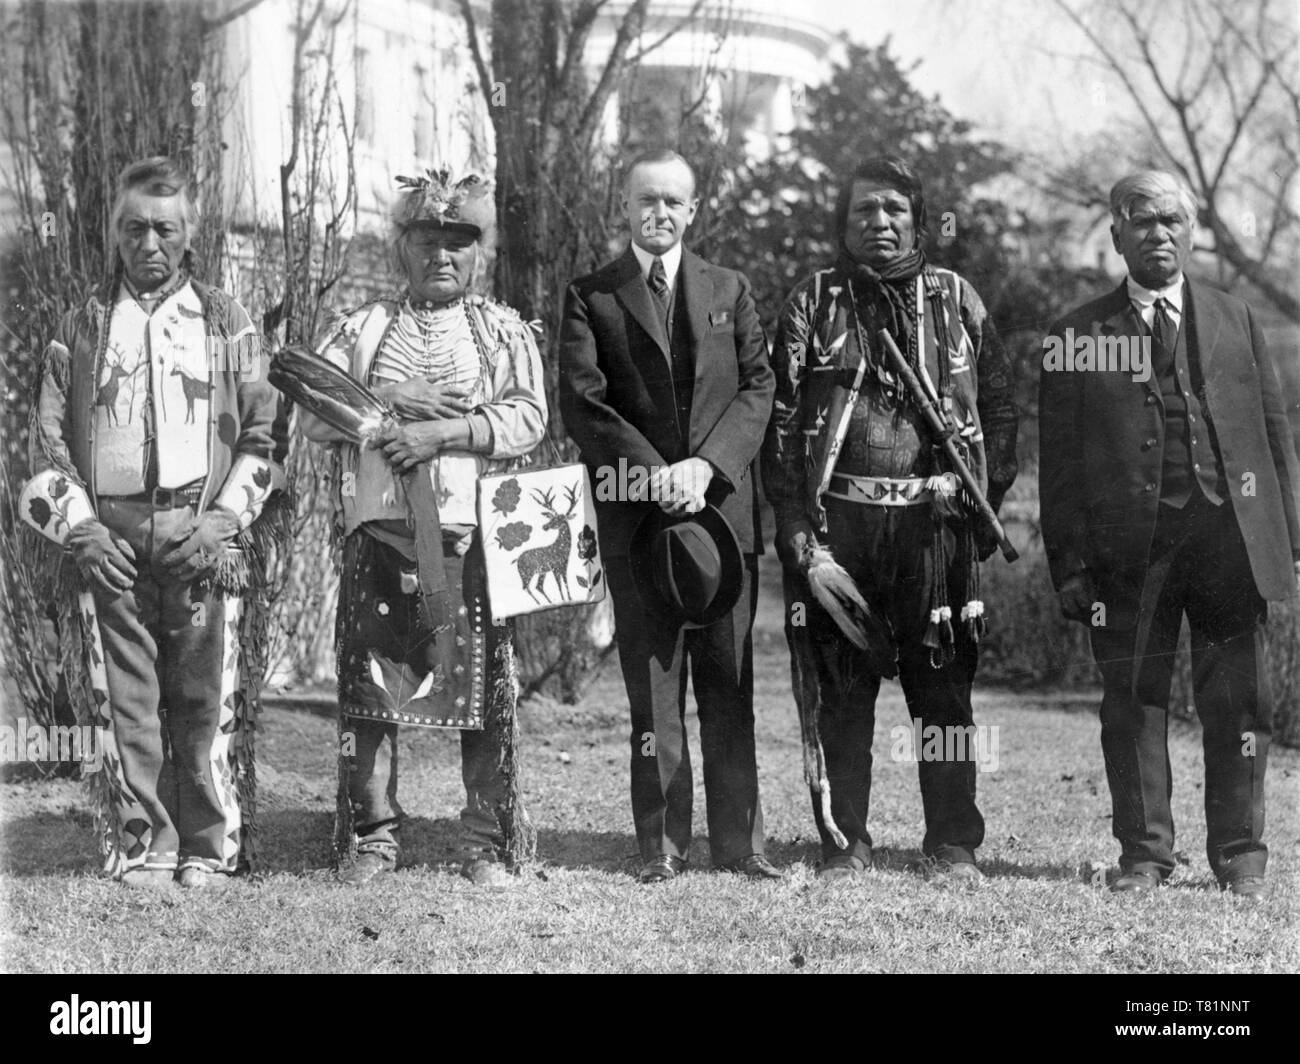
{"x": 719, "y": 318}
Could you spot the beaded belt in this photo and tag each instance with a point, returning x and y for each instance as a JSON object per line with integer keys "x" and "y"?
{"x": 880, "y": 491}
{"x": 167, "y": 498}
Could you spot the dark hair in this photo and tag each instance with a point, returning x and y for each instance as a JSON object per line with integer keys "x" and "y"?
{"x": 889, "y": 170}
{"x": 155, "y": 176}
{"x": 657, "y": 155}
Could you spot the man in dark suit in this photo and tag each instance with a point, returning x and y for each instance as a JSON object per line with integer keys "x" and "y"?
{"x": 1169, "y": 484}
{"x": 666, "y": 388}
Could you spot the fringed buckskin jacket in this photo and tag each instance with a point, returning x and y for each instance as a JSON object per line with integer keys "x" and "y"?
{"x": 816, "y": 355}
{"x": 246, "y": 429}
{"x": 246, "y": 442}
{"x": 509, "y": 402}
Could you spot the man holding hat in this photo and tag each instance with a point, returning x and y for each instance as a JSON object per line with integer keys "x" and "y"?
{"x": 666, "y": 388}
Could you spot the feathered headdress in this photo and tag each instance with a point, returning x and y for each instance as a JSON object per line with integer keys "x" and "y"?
{"x": 434, "y": 199}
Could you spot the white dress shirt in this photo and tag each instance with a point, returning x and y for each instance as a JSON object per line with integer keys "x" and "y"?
{"x": 1144, "y": 300}
{"x": 672, "y": 263}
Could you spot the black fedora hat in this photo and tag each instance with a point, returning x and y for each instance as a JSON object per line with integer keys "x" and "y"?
{"x": 687, "y": 567}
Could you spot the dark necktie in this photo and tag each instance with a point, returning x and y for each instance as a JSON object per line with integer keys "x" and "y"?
{"x": 659, "y": 287}
{"x": 1163, "y": 330}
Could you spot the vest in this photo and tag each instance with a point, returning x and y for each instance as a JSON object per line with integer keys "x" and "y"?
{"x": 683, "y": 367}
{"x": 1190, "y": 459}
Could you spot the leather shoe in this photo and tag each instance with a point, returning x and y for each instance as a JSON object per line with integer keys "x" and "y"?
{"x": 1129, "y": 882}
{"x": 966, "y": 873}
{"x": 488, "y": 874}
{"x": 1251, "y": 887}
{"x": 755, "y": 866}
{"x": 366, "y": 867}
{"x": 196, "y": 878}
{"x": 840, "y": 868}
{"x": 662, "y": 868}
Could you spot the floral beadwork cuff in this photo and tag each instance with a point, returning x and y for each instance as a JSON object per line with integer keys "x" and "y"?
{"x": 248, "y": 485}
{"x": 53, "y": 503}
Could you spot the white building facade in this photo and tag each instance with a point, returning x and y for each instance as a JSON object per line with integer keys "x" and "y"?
{"x": 399, "y": 80}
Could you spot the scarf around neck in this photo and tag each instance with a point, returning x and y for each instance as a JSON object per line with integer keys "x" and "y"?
{"x": 887, "y": 291}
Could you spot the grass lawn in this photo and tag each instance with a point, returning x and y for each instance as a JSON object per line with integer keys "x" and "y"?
{"x": 579, "y": 909}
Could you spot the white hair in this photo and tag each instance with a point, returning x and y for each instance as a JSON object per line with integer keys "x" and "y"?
{"x": 1149, "y": 185}
{"x": 155, "y": 176}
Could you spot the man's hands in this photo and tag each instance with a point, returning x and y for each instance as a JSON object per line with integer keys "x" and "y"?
{"x": 418, "y": 399}
{"x": 107, "y": 560}
{"x": 406, "y": 446}
{"x": 198, "y": 549}
{"x": 794, "y": 542}
{"x": 679, "y": 488}
{"x": 986, "y": 543}
{"x": 1077, "y": 596}
{"x": 103, "y": 558}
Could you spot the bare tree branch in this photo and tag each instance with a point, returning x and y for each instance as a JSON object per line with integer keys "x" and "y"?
{"x": 1234, "y": 95}
{"x": 670, "y": 33}
{"x": 1227, "y": 245}
{"x": 230, "y": 16}
{"x": 579, "y": 32}
{"x": 629, "y": 29}
{"x": 485, "y": 79}
{"x": 1119, "y": 71}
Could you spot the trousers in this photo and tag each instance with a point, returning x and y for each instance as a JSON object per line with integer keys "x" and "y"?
{"x": 1198, "y": 568}
{"x": 164, "y": 644}
{"x": 372, "y": 788}
{"x": 889, "y": 552}
{"x": 658, "y": 656}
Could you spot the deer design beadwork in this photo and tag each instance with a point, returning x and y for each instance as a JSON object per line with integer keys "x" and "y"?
{"x": 107, "y": 395}
{"x": 552, "y": 558}
{"x": 194, "y": 387}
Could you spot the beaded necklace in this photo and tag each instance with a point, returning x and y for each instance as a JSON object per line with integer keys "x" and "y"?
{"x": 437, "y": 323}
{"x": 421, "y": 338}
{"x": 149, "y": 302}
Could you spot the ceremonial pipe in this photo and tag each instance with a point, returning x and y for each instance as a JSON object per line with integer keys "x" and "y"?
{"x": 944, "y": 432}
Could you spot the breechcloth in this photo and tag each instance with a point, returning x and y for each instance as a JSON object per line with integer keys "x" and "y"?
{"x": 393, "y": 670}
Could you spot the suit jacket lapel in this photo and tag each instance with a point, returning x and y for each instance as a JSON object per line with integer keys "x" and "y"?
{"x": 698, "y": 289}
{"x": 1206, "y": 325}
{"x": 1119, "y": 317}
{"x": 635, "y": 296}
